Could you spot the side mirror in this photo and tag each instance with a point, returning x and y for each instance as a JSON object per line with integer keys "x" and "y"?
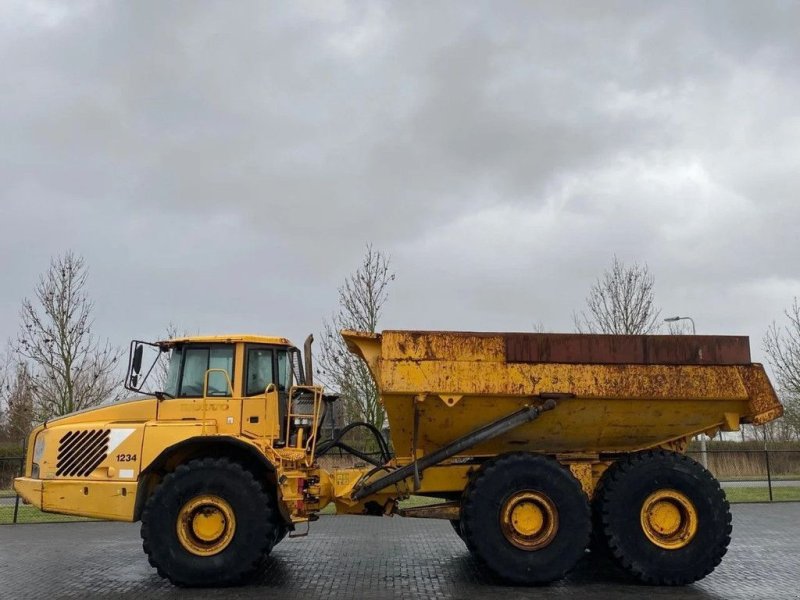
{"x": 136, "y": 376}
{"x": 136, "y": 363}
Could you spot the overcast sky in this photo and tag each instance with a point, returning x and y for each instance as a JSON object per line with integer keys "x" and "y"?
{"x": 221, "y": 165}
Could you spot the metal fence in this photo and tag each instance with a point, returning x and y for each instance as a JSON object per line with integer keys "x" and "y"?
{"x": 12, "y": 508}
{"x": 765, "y": 475}
{"x": 10, "y": 467}
{"x": 746, "y": 475}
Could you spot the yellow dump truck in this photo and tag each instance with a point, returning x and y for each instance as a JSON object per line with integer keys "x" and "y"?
{"x": 535, "y": 444}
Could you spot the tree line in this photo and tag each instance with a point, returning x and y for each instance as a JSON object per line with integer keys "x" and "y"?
{"x": 56, "y": 364}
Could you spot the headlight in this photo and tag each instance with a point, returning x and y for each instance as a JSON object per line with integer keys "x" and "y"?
{"x": 38, "y": 448}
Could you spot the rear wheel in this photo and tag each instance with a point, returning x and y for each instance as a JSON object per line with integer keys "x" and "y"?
{"x": 663, "y": 517}
{"x": 208, "y": 524}
{"x": 526, "y": 517}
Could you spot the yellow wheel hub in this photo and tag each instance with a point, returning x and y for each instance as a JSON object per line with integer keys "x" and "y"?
{"x": 529, "y": 520}
{"x": 669, "y": 519}
{"x": 206, "y": 525}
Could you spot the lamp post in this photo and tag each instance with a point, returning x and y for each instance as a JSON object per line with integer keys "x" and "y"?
{"x": 690, "y": 319}
{"x": 703, "y": 451}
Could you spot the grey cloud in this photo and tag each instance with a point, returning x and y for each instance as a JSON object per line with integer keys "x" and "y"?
{"x": 241, "y": 154}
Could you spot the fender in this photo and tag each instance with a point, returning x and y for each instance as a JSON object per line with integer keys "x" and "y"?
{"x": 248, "y": 455}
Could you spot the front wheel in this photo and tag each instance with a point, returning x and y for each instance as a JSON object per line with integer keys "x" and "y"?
{"x": 208, "y": 524}
{"x": 456, "y": 524}
{"x": 526, "y": 517}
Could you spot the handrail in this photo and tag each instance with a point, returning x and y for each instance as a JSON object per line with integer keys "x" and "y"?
{"x": 205, "y": 391}
{"x": 316, "y": 390}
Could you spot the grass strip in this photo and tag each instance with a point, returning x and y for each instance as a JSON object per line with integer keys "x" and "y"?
{"x": 761, "y": 494}
{"x": 31, "y": 514}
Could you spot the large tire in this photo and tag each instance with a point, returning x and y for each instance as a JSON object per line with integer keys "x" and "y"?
{"x": 663, "y": 517}
{"x": 456, "y": 524}
{"x": 209, "y": 523}
{"x": 526, "y": 517}
{"x": 280, "y": 532}
{"x": 597, "y": 542}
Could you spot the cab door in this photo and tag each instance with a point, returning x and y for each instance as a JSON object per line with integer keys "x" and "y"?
{"x": 260, "y": 401}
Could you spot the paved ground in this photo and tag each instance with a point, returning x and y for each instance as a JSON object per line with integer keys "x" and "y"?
{"x": 352, "y": 557}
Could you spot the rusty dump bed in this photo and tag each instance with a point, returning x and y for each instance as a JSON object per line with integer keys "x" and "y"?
{"x": 572, "y": 348}
{"x": 616, "y": 393}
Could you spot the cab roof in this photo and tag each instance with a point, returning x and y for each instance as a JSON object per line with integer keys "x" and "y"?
{"x": 229, "y": 339}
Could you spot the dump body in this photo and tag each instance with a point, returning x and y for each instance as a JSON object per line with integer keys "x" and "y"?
{"x": 615, "y": 393}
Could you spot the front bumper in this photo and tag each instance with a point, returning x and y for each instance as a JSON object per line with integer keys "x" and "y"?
{"x": 30, "y": 490}
{"x": 113, "y": 500}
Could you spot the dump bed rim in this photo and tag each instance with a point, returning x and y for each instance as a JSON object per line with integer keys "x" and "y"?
{"x": 581, "y": 348}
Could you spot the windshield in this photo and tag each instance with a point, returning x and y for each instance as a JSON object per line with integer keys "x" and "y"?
{"x": 188, "y": 365}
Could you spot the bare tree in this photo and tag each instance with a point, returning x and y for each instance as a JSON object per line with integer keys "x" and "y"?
{"x": 782, "y": 346}
{"x": 620, "y": 302}
{"x": 361, "y": 300}
{"x": 5, "y": 392}
{"x": 538, "y": 327}
{"x": 70, "y": 368}
{"x": 16, "y": 394}
{"x": 679, "y": 328}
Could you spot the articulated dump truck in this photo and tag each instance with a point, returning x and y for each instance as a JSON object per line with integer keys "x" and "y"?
{"x": 537, "y": 447}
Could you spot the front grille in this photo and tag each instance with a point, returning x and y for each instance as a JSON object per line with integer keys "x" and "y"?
{"x": 80, "y": 452}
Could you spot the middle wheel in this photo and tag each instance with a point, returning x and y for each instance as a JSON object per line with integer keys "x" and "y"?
{"x": 526, "y": 517}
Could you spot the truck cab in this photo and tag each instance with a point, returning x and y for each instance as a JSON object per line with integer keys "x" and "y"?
{"x": 246, "y": 379}
{"x": 243, "y": 397}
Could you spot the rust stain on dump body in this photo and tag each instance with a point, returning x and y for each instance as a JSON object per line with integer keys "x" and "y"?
{"x": 442, "y": 345}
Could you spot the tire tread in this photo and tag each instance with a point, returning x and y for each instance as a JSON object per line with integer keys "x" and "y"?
{"x": 478, "y": 485}
{"x": 243, "y": 568}
{"x": 615, "y": 477}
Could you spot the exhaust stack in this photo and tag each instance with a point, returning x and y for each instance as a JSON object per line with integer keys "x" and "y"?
{"x": 309, "y": 366}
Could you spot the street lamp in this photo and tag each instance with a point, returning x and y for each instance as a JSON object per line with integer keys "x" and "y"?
{"x": 703, "y": 452}
{"x": 673, "y": 319}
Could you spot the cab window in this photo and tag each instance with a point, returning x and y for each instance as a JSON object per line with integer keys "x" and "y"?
{"x": 259, "y": 370}
{"x": 283, "y": 370}
{"x": 174, "y": 372}
{"x": 196, "y": 361}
